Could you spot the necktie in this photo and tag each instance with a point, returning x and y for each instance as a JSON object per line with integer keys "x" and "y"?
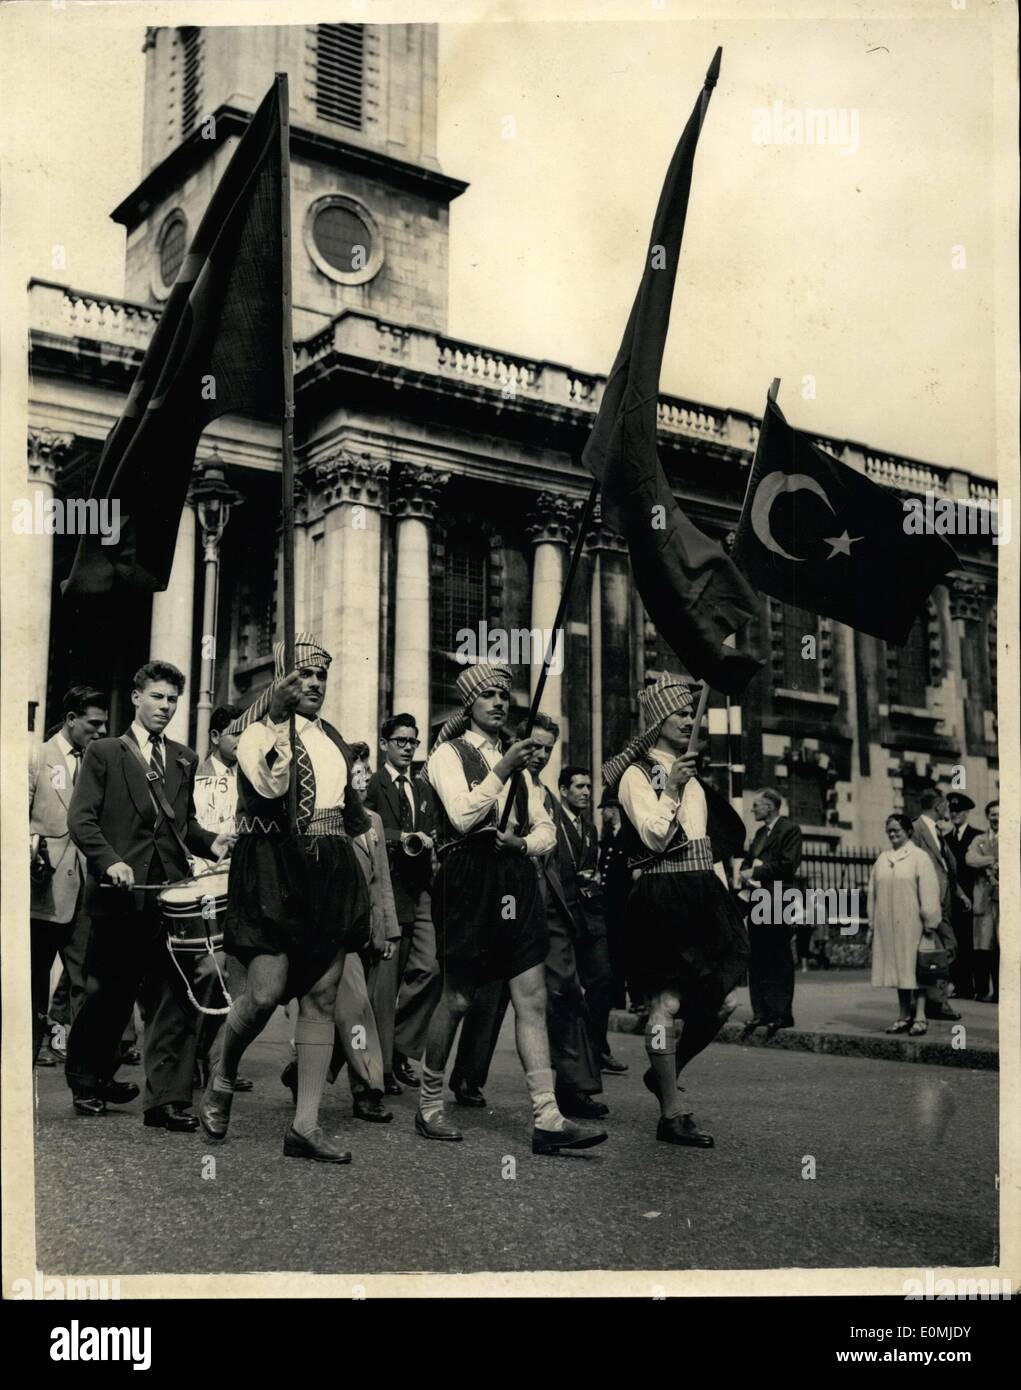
{"x": 76, "y": 755}
{"x": 156, "y": 759}
{"x": 306, "y": 783}
{"x": 405, "y": 813}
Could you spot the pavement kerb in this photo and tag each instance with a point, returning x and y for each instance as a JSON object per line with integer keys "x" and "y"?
{"x": 880, "y": 1047}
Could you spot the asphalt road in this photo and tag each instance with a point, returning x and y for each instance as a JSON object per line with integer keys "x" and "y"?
{"x": 904, "y": 1159}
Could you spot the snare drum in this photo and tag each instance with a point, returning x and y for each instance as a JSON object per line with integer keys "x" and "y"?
{"x": 193, "y": 908}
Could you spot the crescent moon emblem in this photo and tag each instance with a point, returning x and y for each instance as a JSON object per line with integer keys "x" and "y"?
{"x": 768, "y": 490}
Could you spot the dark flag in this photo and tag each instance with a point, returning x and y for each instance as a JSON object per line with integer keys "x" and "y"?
{"x": 820, "y": 535}
{"x": 691, "y": 589}
{"x": 216, "y": 348}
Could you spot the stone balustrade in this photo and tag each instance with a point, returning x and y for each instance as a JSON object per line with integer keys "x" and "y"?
{"x": 396, "y": 348}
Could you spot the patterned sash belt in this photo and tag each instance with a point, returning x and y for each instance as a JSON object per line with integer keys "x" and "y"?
{"x": 694, "y": 856}
{"x": 329, "y": 822}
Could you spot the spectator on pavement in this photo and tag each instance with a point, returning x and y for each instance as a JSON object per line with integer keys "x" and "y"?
{"x": 903, "y": 909}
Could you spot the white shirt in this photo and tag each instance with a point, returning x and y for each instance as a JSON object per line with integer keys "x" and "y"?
{"x": 409, "y": 795}
{"x": 216, "y": 798}
{"x": 72, "y": 763}
{"x": 142, "y": 737}
{"x": 656, "y": 816}
{"x": 467, "y": 808}
{"x": 933, "y": 829}
{"x": 327, "y": 761}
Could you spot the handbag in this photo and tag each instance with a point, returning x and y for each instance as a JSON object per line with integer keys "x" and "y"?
{"x": 932, "y": 966}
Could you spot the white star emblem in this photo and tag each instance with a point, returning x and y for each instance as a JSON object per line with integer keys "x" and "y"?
{"x": 841, "y": 544}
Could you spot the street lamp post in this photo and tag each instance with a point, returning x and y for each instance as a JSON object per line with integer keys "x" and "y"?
{"x": 214, "y": 499}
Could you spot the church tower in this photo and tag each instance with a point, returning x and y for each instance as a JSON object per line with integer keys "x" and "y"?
{"x": 370, "y": 206}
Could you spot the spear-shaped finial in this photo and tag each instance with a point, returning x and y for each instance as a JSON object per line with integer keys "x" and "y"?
{"x": 714, "y": 69}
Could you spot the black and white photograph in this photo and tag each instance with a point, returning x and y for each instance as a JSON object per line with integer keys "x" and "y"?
{"x": 510, "y": 655}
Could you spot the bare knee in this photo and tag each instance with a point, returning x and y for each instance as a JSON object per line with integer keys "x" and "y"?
{"x": 458, "y": 1001}
{"x": 666, "y": 1004}
{"x": 529, "y": 995}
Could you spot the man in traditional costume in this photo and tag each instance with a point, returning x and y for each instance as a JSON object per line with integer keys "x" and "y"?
{"x": 686, "y": 943}
{"x": 297, "y": 899}
{"x": 488, "y": 913}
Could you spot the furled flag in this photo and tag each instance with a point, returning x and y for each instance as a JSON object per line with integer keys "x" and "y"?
{"x": 691, "y": 589}
{"x": 217, "y": 348}
{"x": 820, "y": 535}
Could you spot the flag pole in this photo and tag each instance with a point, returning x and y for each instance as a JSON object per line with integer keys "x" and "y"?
{"x": 540, "y": 685}
{"x": 287, "y": 432}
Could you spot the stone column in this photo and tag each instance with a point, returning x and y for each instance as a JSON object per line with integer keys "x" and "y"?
{"x": 599, "y": 540}
{"x": 45, "y": 451}
{"x": 170, "y": 636}
{"x": 351, "y": 495}
{"x": 414, "y": 508}
{"x": 551, "y": 530}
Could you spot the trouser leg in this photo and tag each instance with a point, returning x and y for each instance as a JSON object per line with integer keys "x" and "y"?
{"x": 45, "y": 941}
{"x": 594, "y": 972}
{"x": 419, "y": 983}
{"x": 567, "y": 1015}
{"x": 356, "y": 1028}
{"x": 114, "y": 966}
{"x": 382, "y": 979}
{"x": 171, "y": 1025}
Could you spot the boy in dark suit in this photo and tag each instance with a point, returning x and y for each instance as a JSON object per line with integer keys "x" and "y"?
{"x": 958, "y": 841}
{"x": 410, "y": 981}
{"x": 774, "y": 858}
{"x": 117, "y": 821}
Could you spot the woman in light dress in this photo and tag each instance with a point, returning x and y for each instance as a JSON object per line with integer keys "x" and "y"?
{"x": 904, "y": 910}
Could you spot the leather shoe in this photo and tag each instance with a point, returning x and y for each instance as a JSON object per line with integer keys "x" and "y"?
{"x": 128, "y": 1057}
{"x": 947, "y": 1015}
{"x": 390, "y": 1086}
{"x": 214, "y": 1111}
{"x": 315, "y": 1146}
{"x": 680, "y": 1129}
{"x": 551, "y": 1141}
{"x": 436, "y": 1128}
{"x": 118, "y": 1092}
{"x": 609, "y": 1063}
{"x": 242, "y": 1083}
{"x": 467, "y": 1094}
{"x": 289, "y": 1077}
{"x": 403, "y": 1072}
{"x": 45, "y": 1057}
{"x": 88, "y": 1106}
{"x": 369, "y": 1107}
{"x": 176, "y": 1118}
{"x": 581, "y": 1107}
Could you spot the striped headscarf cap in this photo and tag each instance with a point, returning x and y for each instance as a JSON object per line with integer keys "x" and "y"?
{"x": 471, "y": 680}
{"x": 656, "y": 703}
{"x": 308, "y": 651}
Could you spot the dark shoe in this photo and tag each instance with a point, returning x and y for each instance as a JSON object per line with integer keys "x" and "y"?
{"x": 119, "y": 1092}
{"x": 581, "y": 1107}
{"x": 467, "y": 1094}
{"x": 551, "y": 1141}
{"x": 609, "y": 1063}
{"x": 772, "y": 1029}
{"x": 436, "y": 1128}
{"x": 316, "y": 1146}
{"x": 88, "y": 1106}
{"x": 403, "y": 1072}
{"x": 177, "y": 1118}
{"x": 751, "y": 1026}
{"x": 989, "y": 999}
{"x": 390, "y": 1086}
{"x": 45, "y": 1057}
{"x": 945, "y": 1015}
{"x": 289, "y": 1077}
{"x": 369, "y": 1107}
{"x": 128, "y": 1057}
{"x": 680, "y": 1129}
{"x": 214, "y": 1111}
{"x": 242, "y": 1083}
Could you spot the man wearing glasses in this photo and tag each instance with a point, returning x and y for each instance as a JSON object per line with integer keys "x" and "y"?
{"x": 405, "y": 804}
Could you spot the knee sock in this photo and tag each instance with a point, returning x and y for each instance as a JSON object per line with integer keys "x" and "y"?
{"x": 313, "y": 1038}
{"x": 661, "y": 1048}
{"x": 545, "y": 1113}
{"x": 430, "y": 1093}
{"x": 243, "y": 1026}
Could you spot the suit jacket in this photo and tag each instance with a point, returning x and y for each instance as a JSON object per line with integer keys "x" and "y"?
{"x": 410, "y": 875}
{"x": 574, "y": 851}
{"x": 49, "y": 792}
{"x": 779, "y": 848}
{"x": 370, "y": 850}
{"x": 112, "y": 818}
{"x": 946, "y": 874}
{"x": 959, "y": 849}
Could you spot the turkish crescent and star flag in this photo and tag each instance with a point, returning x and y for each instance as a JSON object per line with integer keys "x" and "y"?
{"x": 813, "y": 532}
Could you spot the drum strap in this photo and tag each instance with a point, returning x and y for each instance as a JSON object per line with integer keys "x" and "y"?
{"x": 160, "y": 803}
{"x": 213, "y": 1013}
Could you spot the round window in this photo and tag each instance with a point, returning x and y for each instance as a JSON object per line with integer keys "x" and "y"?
{"x": 343, "y": 239}
{"x": 172, "y": 247}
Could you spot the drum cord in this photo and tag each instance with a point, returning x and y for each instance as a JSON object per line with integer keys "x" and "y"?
{"x": 211, "y": 1013}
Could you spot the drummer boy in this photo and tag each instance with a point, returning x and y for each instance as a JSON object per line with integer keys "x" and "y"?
{"x": 132, "y": 815}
